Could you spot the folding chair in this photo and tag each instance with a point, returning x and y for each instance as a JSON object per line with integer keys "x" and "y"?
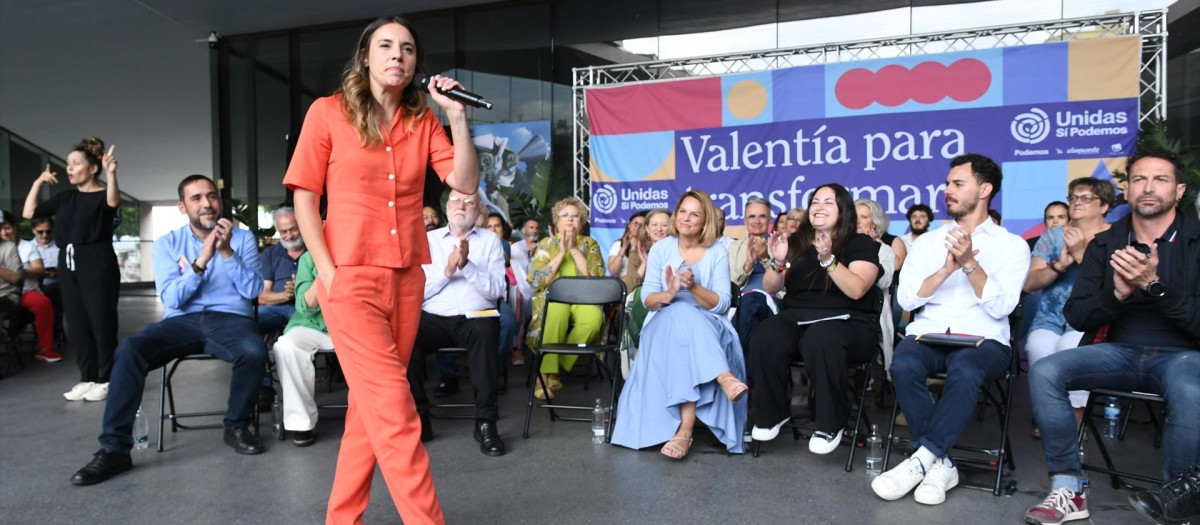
{"x": 166, "y": 398}
{"x": 454, "y": 351}
{"x": 605, "y": 292}
{"x": 862, "y": 374}
{"x": 331, "y": 367}
{"x": 998, "y": 394}
{"x": 1089, "y": 424}
{"x": 1154, "y": 403}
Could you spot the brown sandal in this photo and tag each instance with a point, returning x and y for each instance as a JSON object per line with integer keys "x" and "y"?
{"x": 674, "y": 452}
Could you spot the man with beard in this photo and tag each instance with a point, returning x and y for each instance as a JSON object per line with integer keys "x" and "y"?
{"x": 465, "y": 278}
{"x": 1140, "y": 279}
{"x": 429, "y": 216}
{"x": 206, "y": 274}
{"x": 919, "y": 218}
{"x": 279, "y": 263}
{"x": 967, "y": 276}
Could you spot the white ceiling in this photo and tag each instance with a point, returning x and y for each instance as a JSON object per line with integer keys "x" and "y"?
{"x": 130, "y": 72}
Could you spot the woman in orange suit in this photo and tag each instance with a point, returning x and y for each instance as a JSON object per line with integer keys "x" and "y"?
{"x": 367, "y": 147}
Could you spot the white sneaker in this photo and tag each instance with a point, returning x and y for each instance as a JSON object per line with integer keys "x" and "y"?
{"x": 894, "y": 484}
{"x": 76, "y": 392}
{"x": 767, "y": 434}
{"x": 99, "y": 392}
{"x": 940, "y": 478}
{"x": 824, "y": 442}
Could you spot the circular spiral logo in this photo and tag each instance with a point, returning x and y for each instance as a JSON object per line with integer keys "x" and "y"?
{"x": 604, "y": 199}
{"x": 1031, "y": 127}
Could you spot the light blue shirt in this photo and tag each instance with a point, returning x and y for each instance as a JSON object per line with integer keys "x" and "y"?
{"x": 227, "y": 285}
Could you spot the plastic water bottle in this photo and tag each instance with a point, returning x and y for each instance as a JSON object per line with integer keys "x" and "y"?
{"x": 598, "y": 423}
{"x": 141, "y": 431}
{"x": 874, "y": 447}
{"x": 1112, "y": 419}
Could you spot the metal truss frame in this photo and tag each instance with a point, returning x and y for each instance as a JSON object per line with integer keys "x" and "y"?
{"x": 1151, "y": 26}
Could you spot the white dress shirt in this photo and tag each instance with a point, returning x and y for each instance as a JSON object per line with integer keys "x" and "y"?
{"x": 1003, "y": 256}
{"x": 475, "y": 286}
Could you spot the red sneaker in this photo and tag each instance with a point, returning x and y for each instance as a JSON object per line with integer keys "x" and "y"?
{"x": 1061, "y": 505}
{"x": 48, "y": 356}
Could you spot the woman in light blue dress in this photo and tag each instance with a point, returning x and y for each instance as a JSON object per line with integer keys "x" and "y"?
{"x": 689, "y": 365}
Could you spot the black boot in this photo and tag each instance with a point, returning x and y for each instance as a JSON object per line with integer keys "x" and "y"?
{"x": 1177, "y": 502}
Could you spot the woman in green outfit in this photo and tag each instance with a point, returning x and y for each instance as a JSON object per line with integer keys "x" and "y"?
{"x": 566, "y": 253}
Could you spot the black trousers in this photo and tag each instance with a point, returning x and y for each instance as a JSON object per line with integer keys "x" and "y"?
{"x": 828, "y": 349}
{"x": 481, "y": 339}
{"x": 90, "y": 283}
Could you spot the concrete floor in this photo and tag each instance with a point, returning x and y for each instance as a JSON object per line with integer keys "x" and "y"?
{"x": 555, "y": 476}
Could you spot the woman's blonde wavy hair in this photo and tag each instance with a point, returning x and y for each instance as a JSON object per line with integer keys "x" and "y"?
{"x": 358, "y": 104}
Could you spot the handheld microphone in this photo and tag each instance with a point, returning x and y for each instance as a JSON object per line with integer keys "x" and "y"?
{"x": 456, "y": 93}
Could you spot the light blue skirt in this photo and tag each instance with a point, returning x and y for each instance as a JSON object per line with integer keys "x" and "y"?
{"x": 683, "y": 351}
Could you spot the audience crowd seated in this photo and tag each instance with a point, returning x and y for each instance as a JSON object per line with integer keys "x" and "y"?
{"x": 566, "y": 253}
{"x": 690, "y": 364}
{"x": 207, "y": 275}
{"x": 805, "y": 294}
{"x": 966, "y": 277}
{"x": 827, "y": 270}
{"x": 1140, "y": 279}
{"x": 11, "y": 272}
{"x": 32, "y": 299}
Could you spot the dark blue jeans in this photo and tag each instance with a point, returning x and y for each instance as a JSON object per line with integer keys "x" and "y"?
{"x": 1172, "y": 372}
{"x": 937, "y": 426}
{"x": 275, "y": 317}
{"x": 752, "y": 309}
{"x": 229, "y": 337}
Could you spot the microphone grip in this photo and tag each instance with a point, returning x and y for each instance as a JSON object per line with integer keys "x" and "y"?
{"x": 456, "y": 93}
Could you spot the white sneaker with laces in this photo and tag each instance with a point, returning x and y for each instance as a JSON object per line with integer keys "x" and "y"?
{"x": 894, "y": 484}
{"x": 767, "y": 434}
{"x": 824, "y": 442}
{"x": 940, "y": 478}
{"x": 99, "y": 392}
{"x": 76, "y": 392}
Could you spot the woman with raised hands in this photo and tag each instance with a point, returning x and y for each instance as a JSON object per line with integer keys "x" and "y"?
{"x": 89, "y": 278}
{"x": 827, "y": 270}
{"x": 690, "y": 363}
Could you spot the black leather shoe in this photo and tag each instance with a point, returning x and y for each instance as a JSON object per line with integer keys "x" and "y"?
{"x": 489, "y": 438}
{"x": 243, "y": 441}
{"x": 1176, "y": 502}
{"x": 426, "y": 428}
{"x": 266, "y": 396}
{"x": 104, "y": 465}
{"x": 446, "y": 388}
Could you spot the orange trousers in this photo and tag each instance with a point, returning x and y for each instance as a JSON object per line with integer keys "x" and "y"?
{"x": 372, "y": 314}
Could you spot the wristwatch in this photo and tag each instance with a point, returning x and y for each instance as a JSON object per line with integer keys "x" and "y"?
{"x": 779, "y": 268}
{"x": 196, "y": 268}
{"x": 1156, "y": 289}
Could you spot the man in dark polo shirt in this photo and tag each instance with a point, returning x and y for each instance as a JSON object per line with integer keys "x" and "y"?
{"x": 1141, "y": 279}
{"x": 279, "y": 262}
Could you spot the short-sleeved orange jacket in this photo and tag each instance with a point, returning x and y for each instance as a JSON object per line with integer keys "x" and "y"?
{"x": 375, "y": 195}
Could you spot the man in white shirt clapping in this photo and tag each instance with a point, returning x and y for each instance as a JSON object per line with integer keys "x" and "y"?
{"x": 966, "y": 276}
{"x": 463, "y": 282}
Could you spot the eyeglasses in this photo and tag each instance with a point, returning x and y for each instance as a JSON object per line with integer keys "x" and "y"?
{"x": 43, "y": 232}
{"x": 1086, "y": 198}
{"x": 456, "y": 200}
